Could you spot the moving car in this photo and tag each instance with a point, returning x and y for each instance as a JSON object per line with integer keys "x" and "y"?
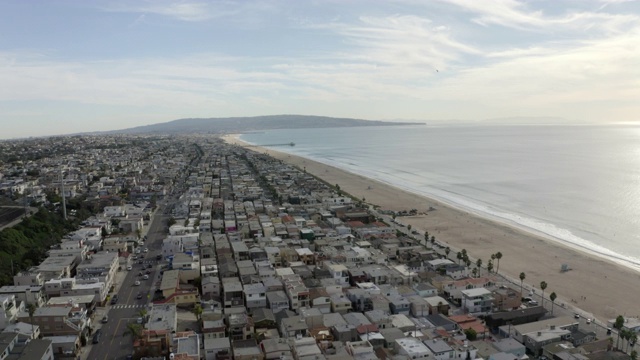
{"x": 114, "y": 299}
{"x": 146, "y": 277}
{"x": 137, "y": 283}
{"x": 105, "y": 319}
{"x": 139, "y": 296}
{"x": 129, "y": 268}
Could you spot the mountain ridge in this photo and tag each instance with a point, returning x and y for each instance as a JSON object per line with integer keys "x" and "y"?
{"x": 251, "y": 123}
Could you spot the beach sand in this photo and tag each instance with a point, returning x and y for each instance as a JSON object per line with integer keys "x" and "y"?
{"x": 599, "y": 287}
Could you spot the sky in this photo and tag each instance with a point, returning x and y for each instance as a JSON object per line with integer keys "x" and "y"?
{"x": 77, "y": 66}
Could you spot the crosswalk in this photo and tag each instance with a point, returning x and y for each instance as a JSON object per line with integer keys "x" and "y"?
{"x": 125, "y": 306}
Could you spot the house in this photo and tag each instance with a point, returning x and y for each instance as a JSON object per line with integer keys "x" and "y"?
{"x": 293, "y": 326}
{"x": 340, "y": 303}
{"x": 240, "y": 326}
{"x": 277, "y": 300}
{"x": 477, "y": 301}
{"x": 439, "y": 348}
{"x": 217, "y": 348}
{"x": 255, "y": 296}
{"x": 413, "y": 348}
{"x": 11, "y": 348}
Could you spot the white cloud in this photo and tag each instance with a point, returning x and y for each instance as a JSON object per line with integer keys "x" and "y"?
{"x": 181, "y": 10}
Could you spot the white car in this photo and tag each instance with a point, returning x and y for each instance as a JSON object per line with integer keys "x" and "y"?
{"x": 146, "y": 250}
{"x": 137, "y": 283}
{"x": 146, "y": 277}
{"x": 129, "y": 268}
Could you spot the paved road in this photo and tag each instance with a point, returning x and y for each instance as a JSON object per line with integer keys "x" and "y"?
{"x": 114, "y": 344}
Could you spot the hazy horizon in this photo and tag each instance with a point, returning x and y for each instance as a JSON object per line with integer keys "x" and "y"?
{"x": 73, "y": 67}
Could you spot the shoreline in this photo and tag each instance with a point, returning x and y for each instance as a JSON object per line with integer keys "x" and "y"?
{"x": 605, "y": 288}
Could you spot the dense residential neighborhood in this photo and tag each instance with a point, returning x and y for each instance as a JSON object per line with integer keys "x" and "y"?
{"x": 190, "y": 248}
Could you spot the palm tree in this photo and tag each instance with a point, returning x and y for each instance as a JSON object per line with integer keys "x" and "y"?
{"x": 447, "y": 250}
{"x": 489, "y": 266}
{"x": 134, "y": 329}
{"x": 633, "y": 338}
{"x": 479, "y": 266}
{"x": 459, "y": 256}
{"x": 522, "y": 277}
{"x": 624, "y": 334}
{"x": 433, "y": 240}
{"x": 474, "y": 272}
{"x": 618, "y": 325}
{"x": 552, "y": 297}
{"x": 31, "y": 309}
{"x": 426, "y": 239}
{"x": 498, "y": 257}
{"x": 543, "y": 285}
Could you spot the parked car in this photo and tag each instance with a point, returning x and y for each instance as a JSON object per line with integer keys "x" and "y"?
{"x": 129, "y": 268}
{"x": 146, "y": 277}
{"x": 137, "y": 283}
{"x": 96, "y": 336}
{"x": 158, "y": 257}
{"x": 148, "y": 272}
{"x": 105, "y": 319}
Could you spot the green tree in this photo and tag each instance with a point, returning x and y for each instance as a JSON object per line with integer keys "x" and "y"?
{"x": 543, "y": 285}
{"x": 489, "y": 266}
{"x": 634, "y": 355}
{"x": 426, "y": 239}
{"x": 618, "y": 325}
{"x": 459, "y": 256}
{"x": 474, "y": 272}
{"x": 479, "y": 266}
{"x": 197, "y": 311}
{"x": 498, "y": 257}
{"x": 522, "y": 277}
{"x": 471, "y": 334}
{"x": 552, "y": 297}
{"x": 171, "y": 221}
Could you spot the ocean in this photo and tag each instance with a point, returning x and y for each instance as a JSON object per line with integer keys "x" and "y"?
{"x": 578, "y": 185}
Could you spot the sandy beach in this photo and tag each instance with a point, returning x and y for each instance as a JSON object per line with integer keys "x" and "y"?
{"x": 596, "y": 286}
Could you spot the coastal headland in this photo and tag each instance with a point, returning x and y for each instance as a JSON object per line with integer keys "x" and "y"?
{"x": 598, "y": 287}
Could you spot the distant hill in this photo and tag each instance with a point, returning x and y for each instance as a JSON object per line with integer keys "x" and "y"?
{"x": 256, "y": 123}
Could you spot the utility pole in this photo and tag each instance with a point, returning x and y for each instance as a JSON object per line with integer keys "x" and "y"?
{"x": 64, "y": 202}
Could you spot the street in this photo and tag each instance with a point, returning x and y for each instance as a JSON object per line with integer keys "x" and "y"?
{"x": 114, "y": 344}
